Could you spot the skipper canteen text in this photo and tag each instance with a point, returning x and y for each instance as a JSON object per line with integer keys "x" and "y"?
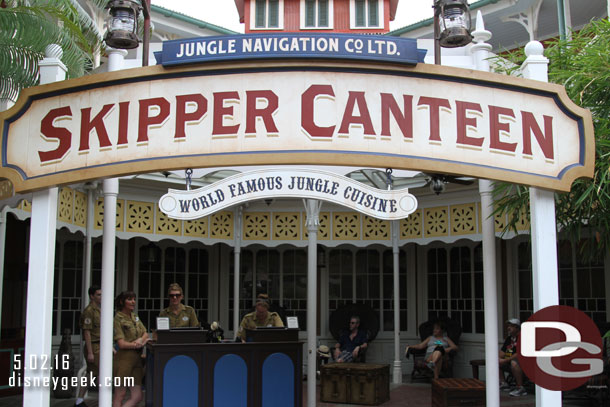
{"x": 43, "y": 365}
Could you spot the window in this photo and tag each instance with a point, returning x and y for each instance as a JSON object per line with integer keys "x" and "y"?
{"x": 268, "y": 14}
{"x": 366, "y": 14}
{"x": 581, "y": 281}
{"x": 455, "y": 285}
{"x": 316, "y": 14}
{"x": 160, "y": 266}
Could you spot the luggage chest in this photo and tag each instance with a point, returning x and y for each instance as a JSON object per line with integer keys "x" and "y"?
{"x": 355, "y": 383}
{"x": 458, "y": 392}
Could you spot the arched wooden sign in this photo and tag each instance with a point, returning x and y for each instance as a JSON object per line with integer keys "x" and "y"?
{"x": 428, "y": 118}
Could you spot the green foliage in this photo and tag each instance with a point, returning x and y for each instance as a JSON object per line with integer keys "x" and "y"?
{"x": 582, "y": 66}
{"x": 27, "y": 27}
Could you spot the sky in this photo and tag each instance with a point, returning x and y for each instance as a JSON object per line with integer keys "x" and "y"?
{"x": 224, "y": 12}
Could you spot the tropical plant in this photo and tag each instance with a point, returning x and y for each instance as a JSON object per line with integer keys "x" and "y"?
{"x": 581, "y": 65}
{"x": 27, "y": 27}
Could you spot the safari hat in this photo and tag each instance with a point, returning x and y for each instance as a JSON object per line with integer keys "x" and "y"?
{"x": 324, "y": 351}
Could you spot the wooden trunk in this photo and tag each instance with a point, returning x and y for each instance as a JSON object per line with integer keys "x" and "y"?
{"x": 355, "y": 383}
{"x": 458, "y": 392}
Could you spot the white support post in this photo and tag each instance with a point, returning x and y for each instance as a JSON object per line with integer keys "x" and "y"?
{"x": 481, "y": 52}
{"x": 543, "y": 228}
{"x": 3, "y": 213}
{"x": 397, "y": 372}
{"x": 111, "y": 191}
{"x": 312, "y": 207}
{"x": 492, "y": 369}
{"x": 39, "y": 312}
{"x": 236, "y": 267}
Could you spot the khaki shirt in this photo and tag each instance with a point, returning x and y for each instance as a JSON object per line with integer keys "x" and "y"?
{"x": 128, "y": 327}
{"x": 186, "y": 317}
{"x": 250, "y": 322}
{"x": 90, "y": 320}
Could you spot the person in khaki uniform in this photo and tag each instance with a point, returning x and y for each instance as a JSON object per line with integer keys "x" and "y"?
{"x": 179, "y": 315}
{"x": 90, "y": 326}
{"x": 130, "y": 336}
{"x": 260, "y": 317}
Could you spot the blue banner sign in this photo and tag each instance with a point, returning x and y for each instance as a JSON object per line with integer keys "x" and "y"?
{"x": 292, "y": 45}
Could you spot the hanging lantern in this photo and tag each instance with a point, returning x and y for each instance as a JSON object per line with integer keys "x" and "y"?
{"x": 122, "y": 24}
{"x": 453, "y": 23}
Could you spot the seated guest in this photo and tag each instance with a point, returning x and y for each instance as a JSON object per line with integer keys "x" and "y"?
{"x": 259, "y": 318}
{"x": 436, "y": 345}
{"x": 509, "y": 361}
{"x": 350, "y": 343}
{"x": 179, "y": 315}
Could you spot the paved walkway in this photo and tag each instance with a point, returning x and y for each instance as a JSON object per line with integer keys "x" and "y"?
{"x": 404, "y": 395}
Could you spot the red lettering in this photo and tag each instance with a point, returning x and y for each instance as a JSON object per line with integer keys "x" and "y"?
{"x": 545, "y": 141}
{"x": 182, "y": 117}
{"x": 220, "y": 111}
{"x": 435, "y": 104}
{"x": 403, "y": 118}
{"x": 349, "y": 118}
{"x": 307, "y": 111}
{"x": 49, "y": 131}
{"x": 463, "y": 122}
{"x": 86, "y": 125}
{"x": 145, "y": 120}
{"x": 265, "y": 113}
{"x": 495, "y": 127}
{"x": 123, "y": 123}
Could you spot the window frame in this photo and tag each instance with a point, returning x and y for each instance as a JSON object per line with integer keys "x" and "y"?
{"x": 380, "y": 14}
{"x": 303, "y": 16}
{"x": 280, "y": 22}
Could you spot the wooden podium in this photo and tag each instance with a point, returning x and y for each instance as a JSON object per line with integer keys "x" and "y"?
{"x": 225, "y": 374}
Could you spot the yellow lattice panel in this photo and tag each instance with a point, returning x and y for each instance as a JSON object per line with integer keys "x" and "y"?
{"x": 25, "y": 205}
{"x": 323, "y": 227}
{"x": 139, "y": 217}
{"x": 523, "y": 223}
{"x": 6, "y": 189}
{"x": 167, "y": 226}
{"x": 196, "y": 227}
{"x": 80, "y": 208}
{"x": 221, "y": 225}
{"x": 463, "y": 219}
{"x": 410, "y": 228}
{"x": 286, "y": 226}
{"x": 98, "y": 220}
{"x": 346, "y": 226}
{"x": 436, "y": 221}
{"x": 256, "y": 226}
{"x": 500, "y": 221}
{"x": 65, "y": 204}
{"x": 375, "y": 229}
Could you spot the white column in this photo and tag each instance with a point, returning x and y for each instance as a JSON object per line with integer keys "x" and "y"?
{"x": 492, "y": 369}
{"x": 544, "y": 236}
{"x": 312, "y": 207}
{"x": 481, "y": 53}
{"x": 236, "y": 267}
{"x": 90, "y": 188}
{"x": 3, "y": 213}
{"x": 397, "y": 372}
{"x": 111, "y": 191}
{"x": 39, "y": 313}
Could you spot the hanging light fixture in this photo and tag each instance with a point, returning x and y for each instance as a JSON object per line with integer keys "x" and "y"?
{"x": 122, "y": 24}
{"x": 452, "y": 18}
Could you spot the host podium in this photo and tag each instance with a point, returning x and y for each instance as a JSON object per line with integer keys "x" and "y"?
{"x": 224, "y": 374}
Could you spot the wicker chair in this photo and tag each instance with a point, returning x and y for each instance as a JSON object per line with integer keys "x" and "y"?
{"x": 420, "y": 369}
{"x": 369, "y": 323}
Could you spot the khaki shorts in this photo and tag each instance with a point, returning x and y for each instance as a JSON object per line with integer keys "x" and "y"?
{"x": 94, "y": 367}
{"x": 129, "y": 363}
